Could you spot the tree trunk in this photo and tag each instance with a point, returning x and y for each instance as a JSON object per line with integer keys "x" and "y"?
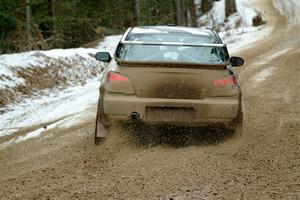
{"x": 230, "y": 7}
{"x": 179, "y": 13}
{"x": 206, "y": 5}
{"x": 1, "y": 41}
{"x": 137, "y": 12}
{"x": 185, "y": 11}
{"x": 50, "y": 9}
{"x": 173, "y": 11}
{"x": 192, "y": 13}
{"x": 28, "y": 25}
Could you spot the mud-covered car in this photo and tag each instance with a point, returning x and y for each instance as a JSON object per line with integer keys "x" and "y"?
{"x": 169, "y": 75}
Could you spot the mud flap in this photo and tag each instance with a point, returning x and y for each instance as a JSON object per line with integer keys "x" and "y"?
{"x": 102, "y": 125}
{"x": 238, "y": 124}
{"x": 238, "y": 131}
{"x": 101, "y": 131}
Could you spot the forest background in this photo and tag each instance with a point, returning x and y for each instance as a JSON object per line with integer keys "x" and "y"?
{"x": 45, "y": 24}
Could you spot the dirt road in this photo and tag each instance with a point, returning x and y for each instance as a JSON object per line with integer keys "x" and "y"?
{"x": 263, "y": 164}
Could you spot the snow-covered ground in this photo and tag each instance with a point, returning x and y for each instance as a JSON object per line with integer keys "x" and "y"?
{"x": 237, "y": 31}
{"x": 64, "y": 108}
{"x": 288, "y": 8}
{"x": 215, "y": 18}
{"x": 11, "y": 63}
{"x": 59, "y": 108}
{"x": 46, "y": 109}
{"x": 81, "y": 59}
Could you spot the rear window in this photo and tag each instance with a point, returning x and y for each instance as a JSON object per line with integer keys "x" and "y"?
{"x": 165, "y": 53}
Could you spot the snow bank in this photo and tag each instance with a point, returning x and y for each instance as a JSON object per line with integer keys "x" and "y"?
{"x": 11, "y": 64}
{"x": 216, "y": 18}
{"x": 57, "y": 104}
{"x": 237, "y": 31}
{"x": 242, "y": 38}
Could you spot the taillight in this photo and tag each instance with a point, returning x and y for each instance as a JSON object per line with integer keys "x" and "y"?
{"x": 116, "y": 77}
{"x": 228, "y": 80}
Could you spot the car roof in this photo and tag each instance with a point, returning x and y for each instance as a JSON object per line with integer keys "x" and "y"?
{"x": 172, "y": 29}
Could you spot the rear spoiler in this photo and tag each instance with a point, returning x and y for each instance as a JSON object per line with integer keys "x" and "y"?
{"x": 172, "y": 44}
{"x": 172, "y": 64}
{"x": 124, "y": 41}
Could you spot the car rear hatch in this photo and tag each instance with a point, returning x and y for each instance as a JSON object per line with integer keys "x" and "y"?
{"x": 175, "y": 63}
{"x": 178, "y": 81}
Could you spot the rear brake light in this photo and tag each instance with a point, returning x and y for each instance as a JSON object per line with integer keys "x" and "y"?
{"x": 113, "y": 76}
{"x": 229, "y": 80}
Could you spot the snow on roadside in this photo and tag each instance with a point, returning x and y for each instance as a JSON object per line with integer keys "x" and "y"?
{"x": 237, "y": 31}
{"x": 289, "y": 8}
{"x": 242, "y": 38}
{"x": 265, "y": 59}
{"x": 263, "y": 75}
{"x": 266, "y": 71}
{"x": 10, "y": 64}
{"x": 215, "y": 18}
{"x": 62, "y": 105}
{"x": 47, "y": 109}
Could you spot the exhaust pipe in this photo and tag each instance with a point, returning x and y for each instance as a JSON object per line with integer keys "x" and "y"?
{"x": 134, "y": 116}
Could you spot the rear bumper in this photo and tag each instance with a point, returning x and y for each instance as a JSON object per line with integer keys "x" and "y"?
{"x": 208, "y": 111}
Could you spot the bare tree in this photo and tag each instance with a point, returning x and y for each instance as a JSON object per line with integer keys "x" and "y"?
{"x": 230, "y": 7}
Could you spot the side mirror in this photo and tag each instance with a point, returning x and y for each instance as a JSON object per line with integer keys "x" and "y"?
{"x": 103, "y": 56}
{"x": 237, "y": 61}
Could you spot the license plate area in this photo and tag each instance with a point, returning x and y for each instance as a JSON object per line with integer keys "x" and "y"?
{"x": 165, "y": 114}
